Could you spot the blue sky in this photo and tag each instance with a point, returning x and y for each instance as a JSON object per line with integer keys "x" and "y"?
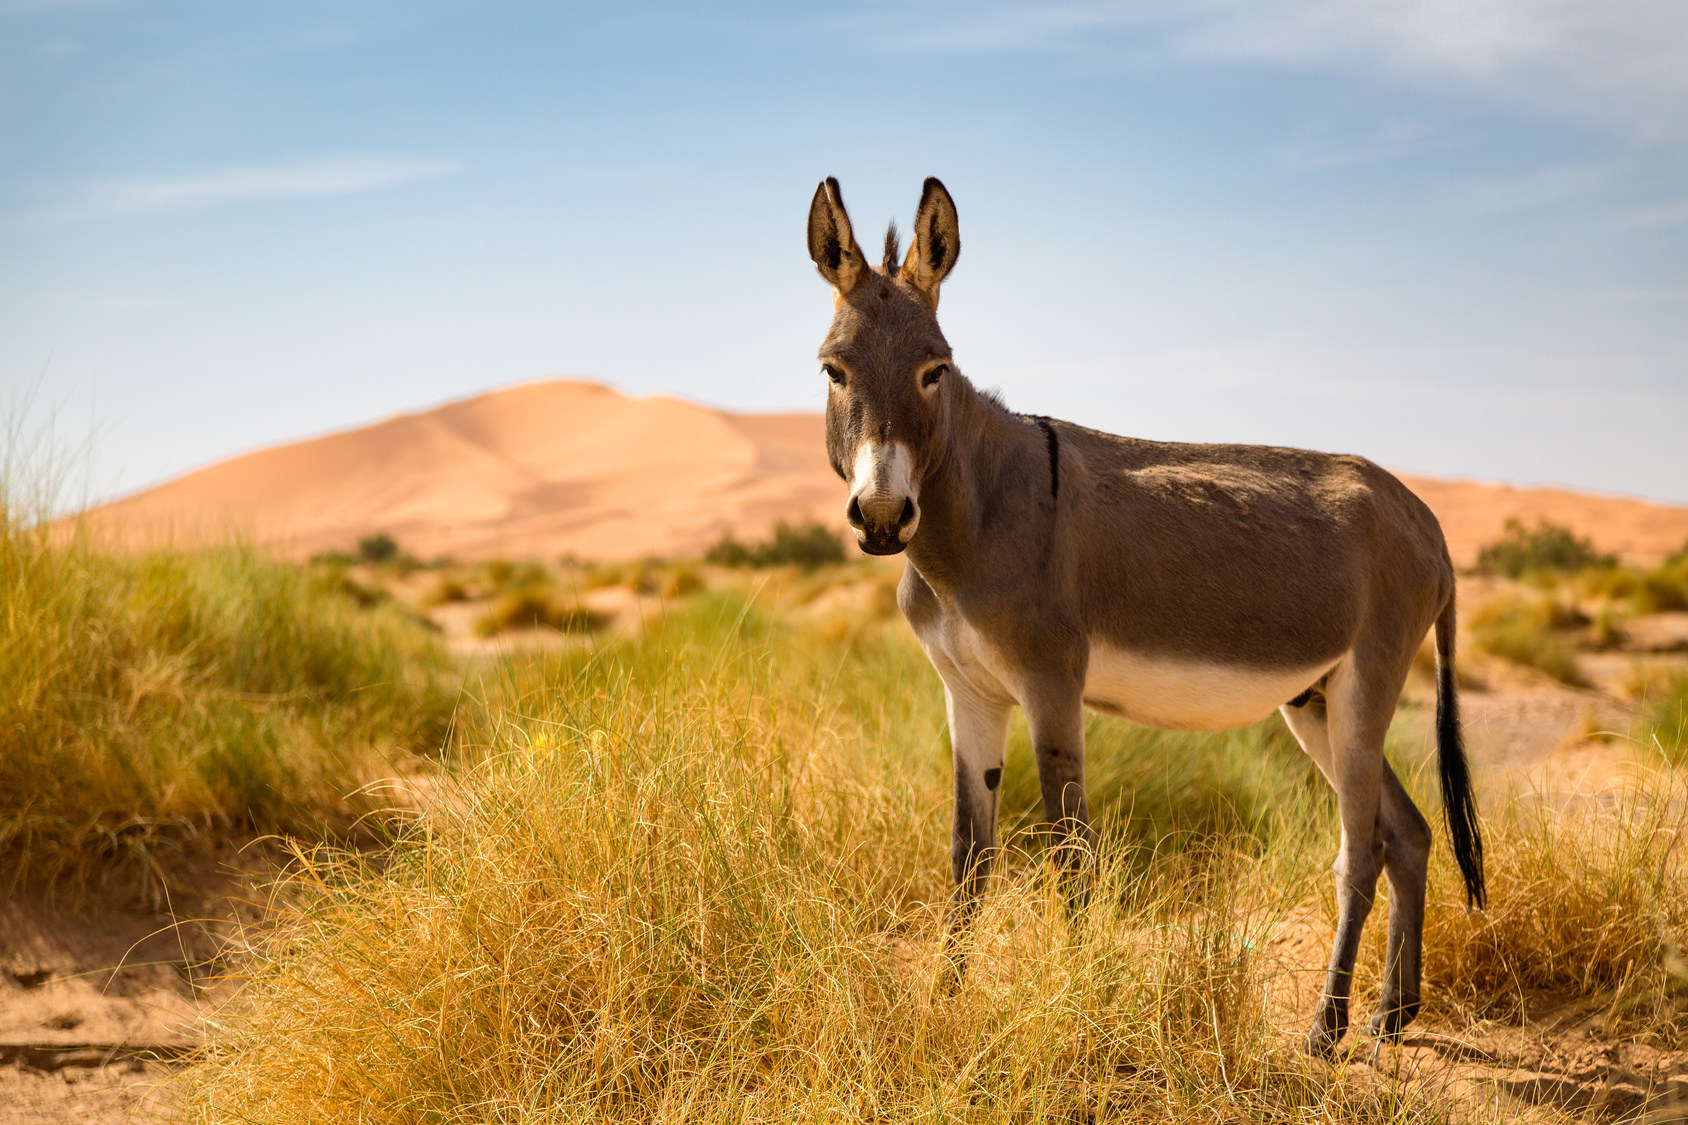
{"x": 1452, "y": 236}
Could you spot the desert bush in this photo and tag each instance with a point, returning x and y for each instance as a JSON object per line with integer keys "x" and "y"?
{"x": 699, "y": 877}
{"x": 728, "y": 551}
{"x": 1663, "y": 589}
{"x": 536, "y": 606}
{"x": 1545, "y": 547}
{"x": 149, "y": 700}
{"x": 807, "y": 545}
{"x": 377, "y": 548}
{"x": 1521, "y": 627}
{"x": 681, "y": 581}
{"x": 446, "y": 590}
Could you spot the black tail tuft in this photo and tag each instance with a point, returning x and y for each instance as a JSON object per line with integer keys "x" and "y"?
{"x": 1458, "y": 804}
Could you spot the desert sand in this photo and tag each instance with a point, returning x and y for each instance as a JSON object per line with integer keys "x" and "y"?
{"x": 570, "y": 467}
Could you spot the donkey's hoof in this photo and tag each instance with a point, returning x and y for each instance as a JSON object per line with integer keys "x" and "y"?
{"x": 1388, "y": 1023}
{"x": 1321, "y": 1044}
{"x": 1329, "y": 1025}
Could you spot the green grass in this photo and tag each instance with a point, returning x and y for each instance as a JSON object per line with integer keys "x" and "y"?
{"x": 151, "y": 700}
{"x": 1525, "y": 627}
{"x": 1665, "y": 720}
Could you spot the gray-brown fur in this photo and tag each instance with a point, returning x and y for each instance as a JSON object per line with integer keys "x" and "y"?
{"x": 1038, "y": 548}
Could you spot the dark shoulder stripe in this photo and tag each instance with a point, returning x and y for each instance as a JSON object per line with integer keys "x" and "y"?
{"x": 1054, "y": 456}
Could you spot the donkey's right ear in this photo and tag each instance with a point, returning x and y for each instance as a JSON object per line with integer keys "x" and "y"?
{"x": 831, "y": 243}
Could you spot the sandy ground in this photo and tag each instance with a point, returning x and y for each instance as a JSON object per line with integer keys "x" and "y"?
{"x": 565, "y": 467}
{"x": 98, "y": 1002}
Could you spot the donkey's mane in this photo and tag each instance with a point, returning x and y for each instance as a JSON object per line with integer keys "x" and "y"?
{"x": 893, "y": 250}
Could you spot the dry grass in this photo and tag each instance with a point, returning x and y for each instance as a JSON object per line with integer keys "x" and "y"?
{"x": 1586, "y": 902}
{"x": 694, "y": 879}
{"x": 700, "y": 876}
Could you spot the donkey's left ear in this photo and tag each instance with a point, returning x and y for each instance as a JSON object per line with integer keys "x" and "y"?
{"x": 936, "y": 244}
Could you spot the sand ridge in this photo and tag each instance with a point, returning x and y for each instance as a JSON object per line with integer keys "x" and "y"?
{"x": 571, "y": 467}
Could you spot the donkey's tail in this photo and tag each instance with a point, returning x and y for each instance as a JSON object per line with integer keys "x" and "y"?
{"x": 1458, "y": 805}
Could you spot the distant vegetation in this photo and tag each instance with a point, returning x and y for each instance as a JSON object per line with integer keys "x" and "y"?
{"x": 1569, "y": 596}
{"x": 379, "y": 549}
{"x": 1545, "y": 547}
{"x": 807, "y": 545}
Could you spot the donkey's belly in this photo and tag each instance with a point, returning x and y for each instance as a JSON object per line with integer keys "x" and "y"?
{"x": 1189, "y": 695}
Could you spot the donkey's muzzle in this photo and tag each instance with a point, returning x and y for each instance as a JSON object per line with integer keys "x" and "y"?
{"x": 883, "y": 525}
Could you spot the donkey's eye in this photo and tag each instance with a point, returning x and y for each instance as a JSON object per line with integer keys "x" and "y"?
{"x": 833, "y": 373}
{"x": 930, "y": 379}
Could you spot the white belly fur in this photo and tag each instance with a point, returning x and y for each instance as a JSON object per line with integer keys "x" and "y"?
{"x": 1155, "y": 691}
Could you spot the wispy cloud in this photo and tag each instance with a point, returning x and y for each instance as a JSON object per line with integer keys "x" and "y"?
{"x": 1542, "y": 187}
{"x": 1622, "y": 64}
{"x": 297, "y": 179}
{"x": 1672, "y": 214}
{"x": 1323, "y": 149}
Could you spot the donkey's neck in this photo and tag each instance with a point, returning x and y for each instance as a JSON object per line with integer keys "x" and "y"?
{"x": 987, "y": 499}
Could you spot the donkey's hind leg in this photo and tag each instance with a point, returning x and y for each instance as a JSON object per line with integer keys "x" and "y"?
{"x": 1406, "y": 862}
{"x": 1344, "y": 738}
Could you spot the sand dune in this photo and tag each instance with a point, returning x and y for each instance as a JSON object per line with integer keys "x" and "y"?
{"x": 538, "y": 470}
{"x": 570, "y": 467}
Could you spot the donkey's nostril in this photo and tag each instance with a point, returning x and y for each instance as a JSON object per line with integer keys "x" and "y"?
{"x": 908, "y": 513}
{"x": 854, "y": 513}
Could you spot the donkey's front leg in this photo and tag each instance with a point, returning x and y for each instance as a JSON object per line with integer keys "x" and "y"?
{"x": 1054, "y": 708}
{"x": 978, "y": 737}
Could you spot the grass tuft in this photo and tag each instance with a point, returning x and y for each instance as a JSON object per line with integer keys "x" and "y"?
{"x": 1586, "y": 903}
{"x": 146, "y": 701}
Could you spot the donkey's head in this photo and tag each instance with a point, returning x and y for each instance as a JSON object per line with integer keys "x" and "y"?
{"x": 886, "y": 360}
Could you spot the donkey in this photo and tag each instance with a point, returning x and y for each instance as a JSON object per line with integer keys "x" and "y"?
{"x": 1177, "y": 586}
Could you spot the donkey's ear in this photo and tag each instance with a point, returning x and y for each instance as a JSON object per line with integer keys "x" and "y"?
{"x": 936, "y": 243}
{"x": 831, "y": 243}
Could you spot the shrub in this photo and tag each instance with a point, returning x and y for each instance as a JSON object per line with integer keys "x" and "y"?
{"x": 808, "y": 545}
{"x": 1662, "y": 589}
{"x": 446, "y": 590}
{"x": 533, "y": 607}
{"x": 1585, "y": 899}
{"x": 1546, "y": 547}
{"x": 728, "y": 551}
{"x": 377, "y": 548}
{"x": 681, "y": 581}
